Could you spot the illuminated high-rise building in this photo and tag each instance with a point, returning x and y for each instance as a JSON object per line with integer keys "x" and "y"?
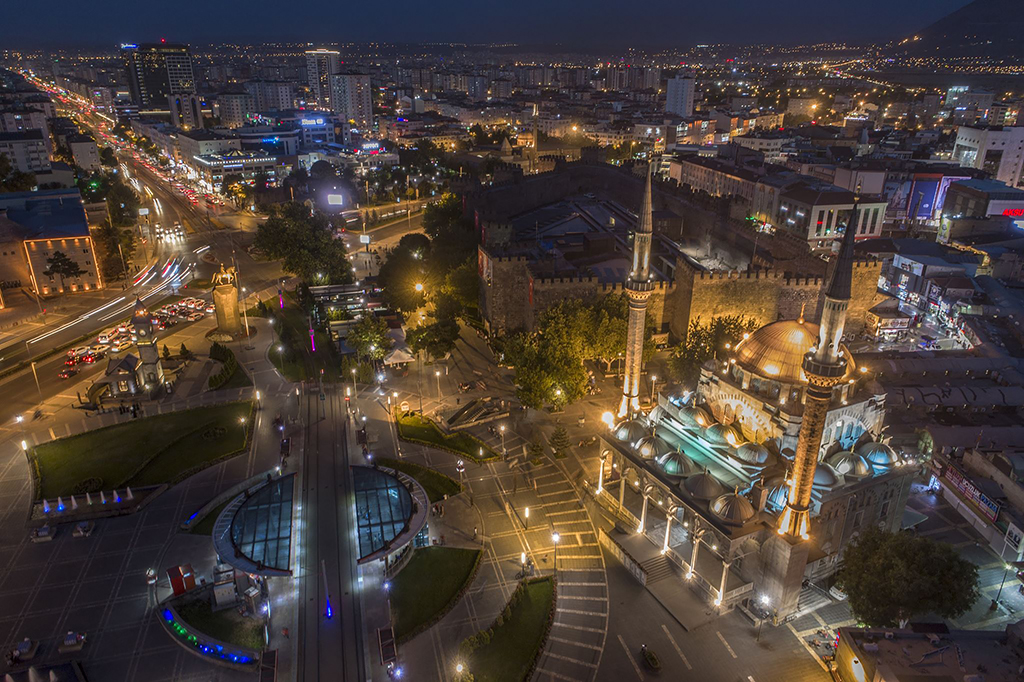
{"x": 320, "y": 66}
{"x": 156, "y": 71}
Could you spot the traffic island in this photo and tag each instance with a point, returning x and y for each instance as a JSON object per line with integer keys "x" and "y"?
{"x": 429, "y": 586}
{"x": 415, "y": 428}
{"x": 508, "y": 651}
{"x": 151, "y": 451}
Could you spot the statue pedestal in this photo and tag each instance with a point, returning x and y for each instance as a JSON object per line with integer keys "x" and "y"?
{"x": 225, "y": 302}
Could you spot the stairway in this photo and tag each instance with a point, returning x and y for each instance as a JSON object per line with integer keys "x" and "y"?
{"x": 658, "y": 568}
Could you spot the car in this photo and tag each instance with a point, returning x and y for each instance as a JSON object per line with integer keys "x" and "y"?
{"x": 72, "y": 360}
{"x": 79, "y": 352}
{"x": 194, "y": 316}
{"x": 67, "y": 373}
{"x": 210, "y": 309}
{"x": 98, "y": 348}
{"x": 105, "y": 335}
{"x": 122, "y": 344}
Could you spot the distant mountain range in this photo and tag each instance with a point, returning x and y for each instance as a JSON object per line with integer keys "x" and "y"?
{"x": 983, "y": 28}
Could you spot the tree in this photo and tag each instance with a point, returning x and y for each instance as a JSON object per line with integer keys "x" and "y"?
{"x": 12, "y": 179}
{"x": 891, "y": 578}
{"x": 305, "y": 244}
{"x": 108, "y": 157}
{"x": 61, "y": 265}
{"x": 404, "y": 268}
{"x": 184, "y": 352}
{"x": 122, "y": 205}
{"x": 703, "y": 341}
{"x": 534, "y": 451}
{"x": 111, "y": 244}
{"x": 369, "y": 337}
{"x": 442, "y": 215}
{"x": 559, "y": 442}
{"x": 166, "y": 352}
{"x": 322, "y": 170}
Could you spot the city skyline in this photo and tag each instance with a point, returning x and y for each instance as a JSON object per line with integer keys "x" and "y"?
{"x": 539, "y": 25}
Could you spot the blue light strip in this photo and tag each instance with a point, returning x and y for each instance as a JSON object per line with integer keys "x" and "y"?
{"x": 212, "y": 650}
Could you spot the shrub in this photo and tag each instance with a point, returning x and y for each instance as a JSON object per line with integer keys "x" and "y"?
{"x": 88, "y": 485}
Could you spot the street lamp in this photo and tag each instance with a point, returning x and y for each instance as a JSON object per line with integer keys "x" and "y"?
{"x": 764, "y": 605}
{"x": 502, "y": 430}
{"x": 353, "y": 381}
{"x": 555, "y": 537}
{"x": 527, "y": 522}
{"x": 522, "y": 563}
{"x": 1006, "y": 569}
{"x": 654, "y": 381}
{"x": 419, "y": 286}
{"x": 437, "y": 375}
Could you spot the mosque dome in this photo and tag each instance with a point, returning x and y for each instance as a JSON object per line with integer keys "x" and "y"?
{"x": 776, "y": 351}
{"x": 704, "y": 486}
{"x": 752, "y": 453}
{"x": 652, "y": 447}
{"x": 733, "y": 509}
{"x": 722, "y": 434}
{"x": 656, "y": 415}
{"x": 878, "y": 454}
{"x": 850, "y": 464}
{"x": 691, "y": 415}
{"x": 825, "y": 477}
{"x": 629, "y": 431}
{"x": 677, "y": 464}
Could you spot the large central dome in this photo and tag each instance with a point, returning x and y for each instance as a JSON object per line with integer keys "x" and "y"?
{"x": 776, "y": 351}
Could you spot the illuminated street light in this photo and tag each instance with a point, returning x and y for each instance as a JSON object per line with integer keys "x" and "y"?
{"x": 555, "y": 537}
{"x": 419, "y": 286}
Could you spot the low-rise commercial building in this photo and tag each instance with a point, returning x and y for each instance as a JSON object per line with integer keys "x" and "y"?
{"x": 211, "y": 169}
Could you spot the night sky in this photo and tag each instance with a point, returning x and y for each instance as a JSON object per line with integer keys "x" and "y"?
{"x": 593, "y": 24}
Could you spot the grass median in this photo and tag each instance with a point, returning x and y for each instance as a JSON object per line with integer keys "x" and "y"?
{"x": 508, "y": 650}
{"x": 226, "y": 625}
{"x": 429, "y": 587}
{"x": 148, "y": 451}
{"x": 434, "y": 482}
{"x": 416, "y": 428}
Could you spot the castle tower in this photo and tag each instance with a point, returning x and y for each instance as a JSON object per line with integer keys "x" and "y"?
{"x": 638, "y": 290}
{"x": 825, "y": 368}
{"x": 151, "y": 371}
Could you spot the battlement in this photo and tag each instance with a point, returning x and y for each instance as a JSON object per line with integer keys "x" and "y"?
{"x": 615, "y": 287}
{"x": 738, "y": 274}
{"x": 551, "y": 281}
{"x": 866, "y": 263}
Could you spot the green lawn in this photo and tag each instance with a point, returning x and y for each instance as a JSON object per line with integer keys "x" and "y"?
{"x": 205, "y": 527}
{"x": 429, "y": 586}
{"x": 146, "y": 451}
{"x": 434, "y": 482}
{"x": 238, "y": 380}
{"x": 515, "y": 643}
{"x": 418, "y": 429}
{"x": 226, "y": 625}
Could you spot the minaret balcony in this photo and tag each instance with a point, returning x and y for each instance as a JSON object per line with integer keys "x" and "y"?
{"x": 644, "y": 285}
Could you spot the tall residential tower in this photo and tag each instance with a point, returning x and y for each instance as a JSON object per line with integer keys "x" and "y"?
{"x": 638, "y": 289}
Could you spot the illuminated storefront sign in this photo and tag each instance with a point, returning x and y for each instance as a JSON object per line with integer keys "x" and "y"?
{"x": 973, "y": 494}
{"x": 312, "y": 121}
{"x": 1014, "y": 212}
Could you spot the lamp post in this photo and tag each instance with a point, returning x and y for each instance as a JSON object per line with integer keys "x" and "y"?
{"x": 764, "y": 605}
{"x": 522, "y": 564}
{"x": 502, "y": 430}
{"x": 654, "y": 382}
{"x": 526, "y": 523}
{"x": 353, "y": 382}
{"x": 555, "y": 537}
{"x": 1006, "y": 569}
{"x": 437, "y": 375}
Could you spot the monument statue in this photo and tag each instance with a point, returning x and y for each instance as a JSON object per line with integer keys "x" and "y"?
{"x": 225, "y": 301}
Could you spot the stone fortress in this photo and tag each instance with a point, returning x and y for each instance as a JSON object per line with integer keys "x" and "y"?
{"x": 521, "y": 277}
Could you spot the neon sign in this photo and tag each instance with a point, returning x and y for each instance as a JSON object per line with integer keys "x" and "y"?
{"x": 1014, "y": 212}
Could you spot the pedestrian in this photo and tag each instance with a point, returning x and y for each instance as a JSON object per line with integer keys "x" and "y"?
{"x": 474, "y": 532}
{"x": 284, "y": 631}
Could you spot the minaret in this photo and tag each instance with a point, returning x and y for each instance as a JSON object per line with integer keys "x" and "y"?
{"x": 638, "y": 290}
{"x": 825, "y": 368}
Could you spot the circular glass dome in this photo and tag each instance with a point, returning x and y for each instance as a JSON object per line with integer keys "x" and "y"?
{"x": 695, "y": 416}
{"x": 733, "y": 509}
{"x": 878, "y": 454}
{"x": 722, "y": 434}
{"x": 703, "y": 486}
{"x": 850, "y": 464}
{"x": 752, "y": 453}
{"x": 652, "y": 447}
{"x": 629, "y": 431}
{"x": 677, "y": 464}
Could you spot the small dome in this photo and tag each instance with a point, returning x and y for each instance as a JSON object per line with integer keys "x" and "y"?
{"x": 779, "y": 494}
{"x": 878, "y": 454}
{"x": 789, "y": 453}
{"x": 722, "y": 434}
{"x": 695, "y": 416}
{"x": 656, "y": 415}
{"x": 825, "y": 477}
{"x": 703, "y": 486}
{"x": 629, "y": 431}
{"x": 652, "y": 447}
{"x": 752, "y": 453}
{"x": 733, "y": 509}
{"x": 677, "y": 464}
{"x": 850, "y": 464}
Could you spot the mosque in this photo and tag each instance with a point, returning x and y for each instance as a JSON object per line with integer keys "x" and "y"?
{"x": 757, "y": 481}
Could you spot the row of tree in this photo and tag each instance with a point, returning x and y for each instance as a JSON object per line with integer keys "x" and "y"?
{"x": 549, "y": 363}
{"x": 305, "y": 244}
